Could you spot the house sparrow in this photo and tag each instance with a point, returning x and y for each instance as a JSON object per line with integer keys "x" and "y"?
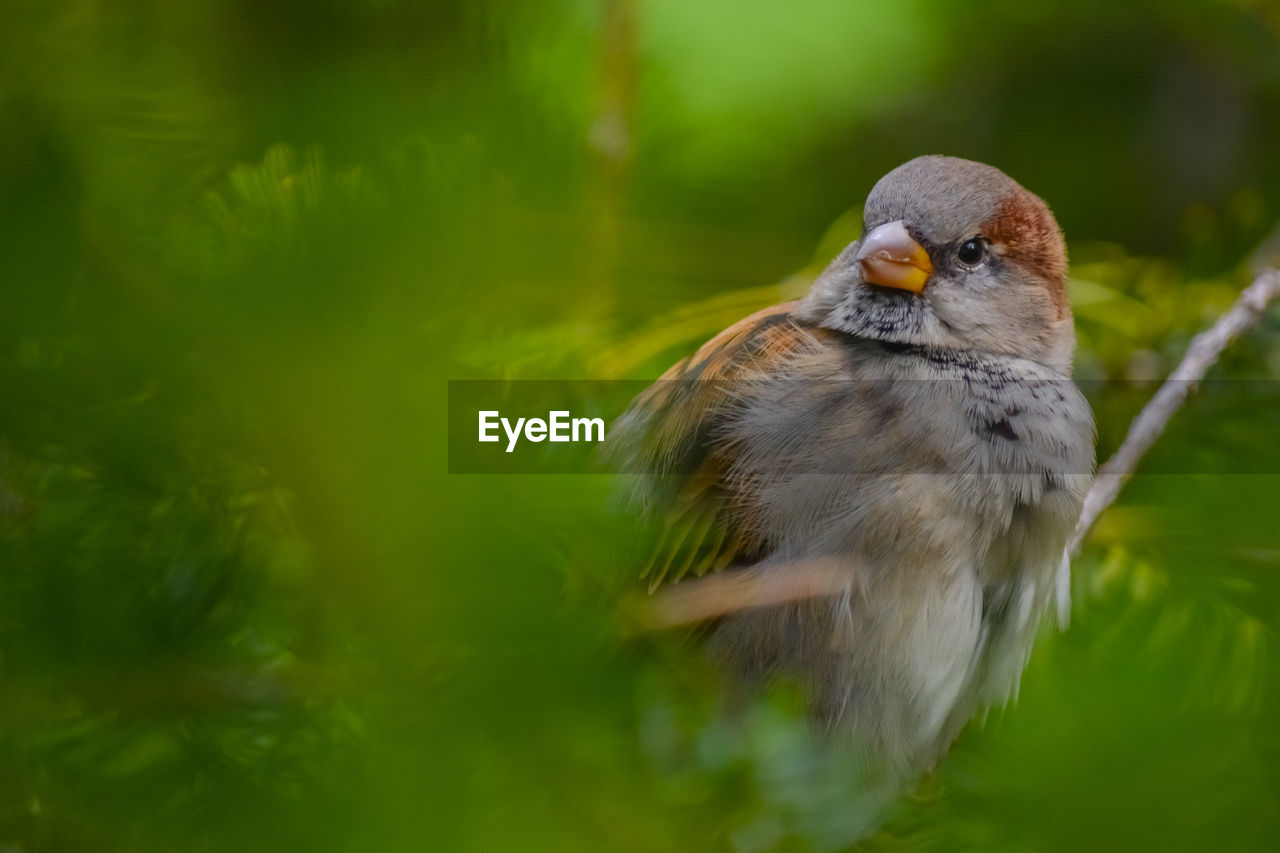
{"x": 910, "y": 424}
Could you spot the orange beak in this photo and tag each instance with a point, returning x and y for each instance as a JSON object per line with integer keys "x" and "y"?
{"x": 891, "y": 258}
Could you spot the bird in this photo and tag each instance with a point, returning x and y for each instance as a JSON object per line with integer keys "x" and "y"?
{"x": 910, "y": 425}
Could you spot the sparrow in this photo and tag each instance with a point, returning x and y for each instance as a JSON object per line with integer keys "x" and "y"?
{"x": 909, "y": 425}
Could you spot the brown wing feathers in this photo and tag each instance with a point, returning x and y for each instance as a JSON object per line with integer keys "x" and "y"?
{"x": 678, "y": 419}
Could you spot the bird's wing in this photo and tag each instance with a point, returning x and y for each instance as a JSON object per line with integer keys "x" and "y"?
{"x": 674, "y": 435}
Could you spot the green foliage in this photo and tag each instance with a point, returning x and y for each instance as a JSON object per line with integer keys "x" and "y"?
{"x": 244, "y": 245}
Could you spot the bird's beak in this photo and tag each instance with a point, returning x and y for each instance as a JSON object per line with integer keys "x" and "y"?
{"x": 891, "y": 258}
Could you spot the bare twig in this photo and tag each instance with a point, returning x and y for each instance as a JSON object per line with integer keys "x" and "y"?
{"x": 729, "y": 592}
{"x": 741, "y": 589}
{"x": 1151, "y": 422}
{"x": 611, "y": 145}
{"x": 1154, "y": 417}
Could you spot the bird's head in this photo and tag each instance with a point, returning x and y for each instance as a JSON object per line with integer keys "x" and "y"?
{"x": 955, "y": 255}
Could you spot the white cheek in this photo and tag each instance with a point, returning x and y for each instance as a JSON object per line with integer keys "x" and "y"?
{"x": 967, "y": 302}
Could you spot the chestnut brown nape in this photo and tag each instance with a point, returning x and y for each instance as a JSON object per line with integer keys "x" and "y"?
{"x": 1026, "y": 228}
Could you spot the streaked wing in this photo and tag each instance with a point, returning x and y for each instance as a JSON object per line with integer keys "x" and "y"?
{"x": 673, "y": 433}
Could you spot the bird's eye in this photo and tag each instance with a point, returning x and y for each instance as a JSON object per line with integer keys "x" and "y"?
{"x": 972, "y": 252}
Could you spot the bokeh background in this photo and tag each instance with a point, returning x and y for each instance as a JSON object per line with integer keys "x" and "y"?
{"x": 244, "y": 245}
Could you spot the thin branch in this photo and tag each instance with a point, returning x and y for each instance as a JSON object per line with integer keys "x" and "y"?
{"x": 1154, "y": 418}
{"x": 744, "y": 589}
{"x": 741, "y": 589}
{"x": 1151, "y": 422}
{"x": 611, "y": 145}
